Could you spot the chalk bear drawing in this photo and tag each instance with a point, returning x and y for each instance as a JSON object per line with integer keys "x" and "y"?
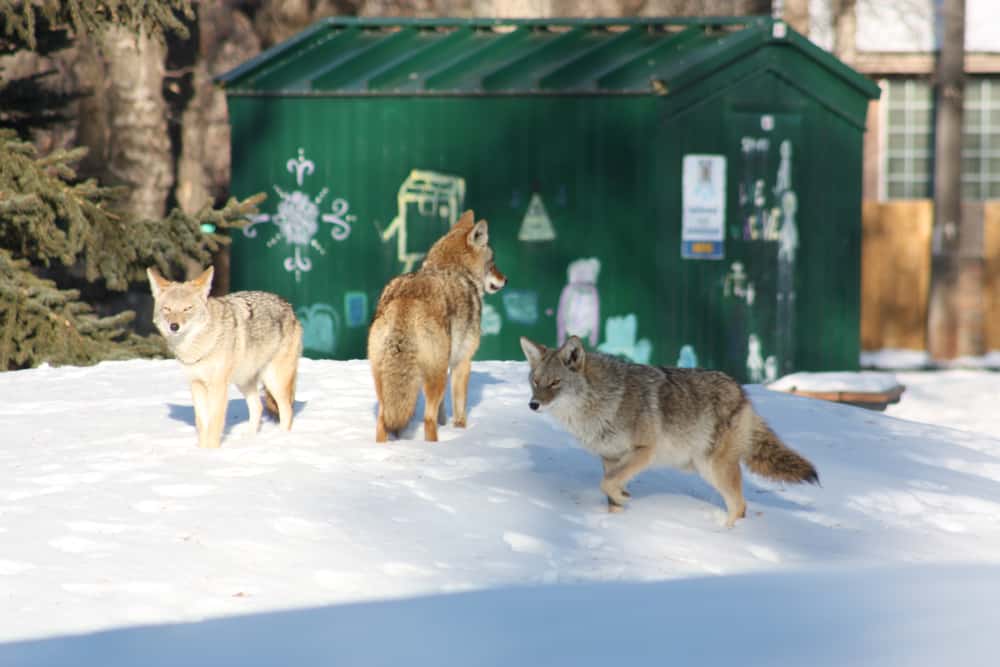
{"x": 579, "y": 311}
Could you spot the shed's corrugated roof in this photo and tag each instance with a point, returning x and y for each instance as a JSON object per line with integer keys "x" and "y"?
{"x": 341, "y": 56}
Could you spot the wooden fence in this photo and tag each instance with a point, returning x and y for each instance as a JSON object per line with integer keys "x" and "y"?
{"x": 896, "y": 269}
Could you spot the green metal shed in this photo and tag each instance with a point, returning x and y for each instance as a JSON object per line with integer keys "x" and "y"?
{"x": 678, "y": 191}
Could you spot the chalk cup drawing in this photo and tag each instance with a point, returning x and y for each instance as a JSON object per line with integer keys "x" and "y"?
{"x": 429, "y": 199}
{"x": 620, "y": 339}
{"x": 536, "y": 225}
{"x": 579, "y": 312}
{"x": 687, "y": 358}
{"x": 320, "y": 328}
{"x": 521, "y": 305}
{"x": 298, "y": 218}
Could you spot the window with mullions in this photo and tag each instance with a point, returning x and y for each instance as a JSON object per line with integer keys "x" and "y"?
{"x": 908, "y": 139}
{"x": 981, "y": 139}
{"x": 908, "y": 165}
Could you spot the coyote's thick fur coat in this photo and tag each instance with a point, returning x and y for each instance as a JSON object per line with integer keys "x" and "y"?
{"x": 634, "y": 416}
{"x": 426, "y": 323}
{"x": 247, "y": 338}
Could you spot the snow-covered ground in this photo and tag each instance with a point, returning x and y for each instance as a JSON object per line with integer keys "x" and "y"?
{"x": 122, "y": 543}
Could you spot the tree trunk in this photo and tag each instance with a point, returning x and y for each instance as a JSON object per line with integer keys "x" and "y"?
{"x": 139, "y": 154}
{"x": 955, "y": 308}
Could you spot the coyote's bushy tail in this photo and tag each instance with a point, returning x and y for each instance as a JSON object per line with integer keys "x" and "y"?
{"x": 771, "y": 458}
{"x": 398, "y": 400}
{"x": 397, "y": 381}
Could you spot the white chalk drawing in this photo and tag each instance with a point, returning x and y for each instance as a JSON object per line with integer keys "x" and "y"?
{"x": 788, "y": 241}
{"x": 760, "y": 369}
{"x": 320, "y": 328}
{"x": 783, "y": 179}
{"x": 521, "y": 305}
{"x": 536, "y": 225}
{"x": 620, "y": 339}
{"x": 752, "y": 199}
{"x": 770, "y": 369}
{"x": 755, "y": 361}
{"x": 298, "y": 218}
{"x": 490, "y": 323}
{"x": 687, "y": 357}
{"x": 579, "y": 312}
{"x": 735, "y": 284}
{"x": 427, "y": 205}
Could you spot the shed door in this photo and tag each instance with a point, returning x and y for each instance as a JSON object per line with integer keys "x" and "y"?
{"x": 761, "y": 242}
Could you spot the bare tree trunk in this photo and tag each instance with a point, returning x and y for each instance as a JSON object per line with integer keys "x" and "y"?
{"x": 139, "y": 154}
{"x": 845, "y": 23}
{"x": 796, "y": 14}
{"x": 955, "y": 308}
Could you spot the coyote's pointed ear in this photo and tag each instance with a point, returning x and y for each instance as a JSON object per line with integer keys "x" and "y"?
{"x": 467, "y": 219}
{"x": 157, "y": 283}
{"x": 533, "y": 352}
{"x": 572, "y": 354}
{"x": 480, "y": 235}
{"x": 203, "y": 283}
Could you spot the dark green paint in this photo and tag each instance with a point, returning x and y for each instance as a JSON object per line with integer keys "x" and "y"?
{"x": 607, "y": 166}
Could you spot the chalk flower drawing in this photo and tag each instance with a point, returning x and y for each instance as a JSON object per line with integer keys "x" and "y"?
{"x": 298, "y": 218}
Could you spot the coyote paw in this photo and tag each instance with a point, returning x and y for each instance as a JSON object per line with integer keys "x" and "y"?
{"x": 458, "y": 423}
{"x": 614, "y": 508}
{"x": 615, "y": 493}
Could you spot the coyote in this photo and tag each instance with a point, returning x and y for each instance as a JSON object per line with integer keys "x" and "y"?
{"x": 634, "y": 416}
{"x": 246, "y": 338}
{"x": 426, "y": 323}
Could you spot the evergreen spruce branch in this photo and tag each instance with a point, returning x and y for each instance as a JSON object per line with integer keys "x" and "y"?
{"x": 43, "y": 211}
{"x": 41, "y": 323}
{"x": 21, "y": 18}
{"x": 49, "y": 218}
{"x": 27, "y": 104}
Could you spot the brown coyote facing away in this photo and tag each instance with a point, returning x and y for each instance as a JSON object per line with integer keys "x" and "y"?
{"x": 426, "y": 323}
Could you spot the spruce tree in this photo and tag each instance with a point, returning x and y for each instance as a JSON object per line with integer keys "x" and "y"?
{"x": 54, "y": 224}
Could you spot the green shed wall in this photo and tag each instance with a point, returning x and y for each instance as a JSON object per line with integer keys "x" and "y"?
{"x": 608, "y": 171}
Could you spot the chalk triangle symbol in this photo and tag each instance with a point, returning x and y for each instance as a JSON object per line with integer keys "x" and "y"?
{"x": 536, "y": 225}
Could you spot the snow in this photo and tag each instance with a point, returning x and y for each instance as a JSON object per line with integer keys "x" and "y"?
{"x": 123, "y": 543}
{"x": 863, "y": 381}
{"x": 895, "y": 359}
